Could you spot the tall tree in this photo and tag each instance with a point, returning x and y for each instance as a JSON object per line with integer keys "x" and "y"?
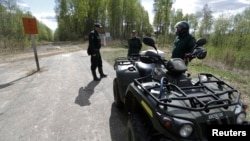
{"x": 76, "y": 17}
{"x": 115, "y": 8}
{"x": 206, "y": 21}
{"x": 221, "y": 28}
{"x": 193, "y": 22}
{"x": 162, "y": 9}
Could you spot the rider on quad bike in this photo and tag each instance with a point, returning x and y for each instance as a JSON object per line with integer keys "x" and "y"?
{"x": 165, "y": 104}
{"x": 184, "y": 42}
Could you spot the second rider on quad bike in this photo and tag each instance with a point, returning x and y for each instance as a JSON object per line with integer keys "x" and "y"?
{"x": 184, "y": 41}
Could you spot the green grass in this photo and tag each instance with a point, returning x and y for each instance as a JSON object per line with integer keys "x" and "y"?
{"x": 110, "y": 56}
{"x": 110, "y": 53}
{"x": 230, "y": 56}
{"x": 224, "y": 74}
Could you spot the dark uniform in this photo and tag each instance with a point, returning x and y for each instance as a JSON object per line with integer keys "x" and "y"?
{"x": 94, "y": 50}
{"x": 134, "y": 44}
{"x": 182, "y": 45}
{"x": 184, "y": 42}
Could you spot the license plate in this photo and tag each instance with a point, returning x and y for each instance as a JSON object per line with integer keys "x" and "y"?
{"x": 215, "y": 116}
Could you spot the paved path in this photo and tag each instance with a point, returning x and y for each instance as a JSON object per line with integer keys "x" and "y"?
{"x": 58, "y": 103}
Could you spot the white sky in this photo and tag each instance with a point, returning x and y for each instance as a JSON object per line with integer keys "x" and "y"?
{"x": 187, "y": 6}
{"x": 192, "y": 6}
{"x": 43, "y": 10}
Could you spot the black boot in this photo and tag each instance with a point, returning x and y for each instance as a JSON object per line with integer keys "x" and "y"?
{"x": 94, "y": 76}
{"x": 102, "y": 75}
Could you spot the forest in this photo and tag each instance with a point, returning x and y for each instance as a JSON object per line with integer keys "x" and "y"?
{"x": 227, "y": 34}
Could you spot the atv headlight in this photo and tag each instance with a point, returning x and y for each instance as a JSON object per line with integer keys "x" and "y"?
{"x": 203, "y": 78}
{"x": 241, "y": 118}
{"x": 186, "y": 130}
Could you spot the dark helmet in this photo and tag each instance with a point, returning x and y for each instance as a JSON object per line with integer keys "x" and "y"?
{"x": 183, "y": 26}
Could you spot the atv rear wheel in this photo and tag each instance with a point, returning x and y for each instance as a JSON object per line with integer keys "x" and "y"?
{"x": 117, "y": 99}
{"x": 137, "y": 128}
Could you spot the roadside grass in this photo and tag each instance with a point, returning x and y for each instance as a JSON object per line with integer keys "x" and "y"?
{"x": 235, "y": 78}
{"x": 234, "y": 57}
{"x": 110, "y": 54}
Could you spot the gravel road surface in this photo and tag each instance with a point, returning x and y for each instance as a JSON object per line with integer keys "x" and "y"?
{"x": 58, "y": 103}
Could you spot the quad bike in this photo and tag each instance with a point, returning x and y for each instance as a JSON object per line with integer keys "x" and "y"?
{"x": 165, "y": 104}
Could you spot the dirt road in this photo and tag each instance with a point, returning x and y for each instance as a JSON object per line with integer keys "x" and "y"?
{"x": 58, "y": 103}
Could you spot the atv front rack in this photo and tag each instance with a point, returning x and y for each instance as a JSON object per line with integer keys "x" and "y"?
{"x": 207, "y": 94}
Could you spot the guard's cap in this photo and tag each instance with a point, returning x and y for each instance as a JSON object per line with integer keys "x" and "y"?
{"x": 133, "y": 31}
{"x": 98, "y": 25}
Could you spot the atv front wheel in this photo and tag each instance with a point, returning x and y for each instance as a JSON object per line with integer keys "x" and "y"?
{"x": 137, "y": 128}
{"x": 117, "y": 98}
